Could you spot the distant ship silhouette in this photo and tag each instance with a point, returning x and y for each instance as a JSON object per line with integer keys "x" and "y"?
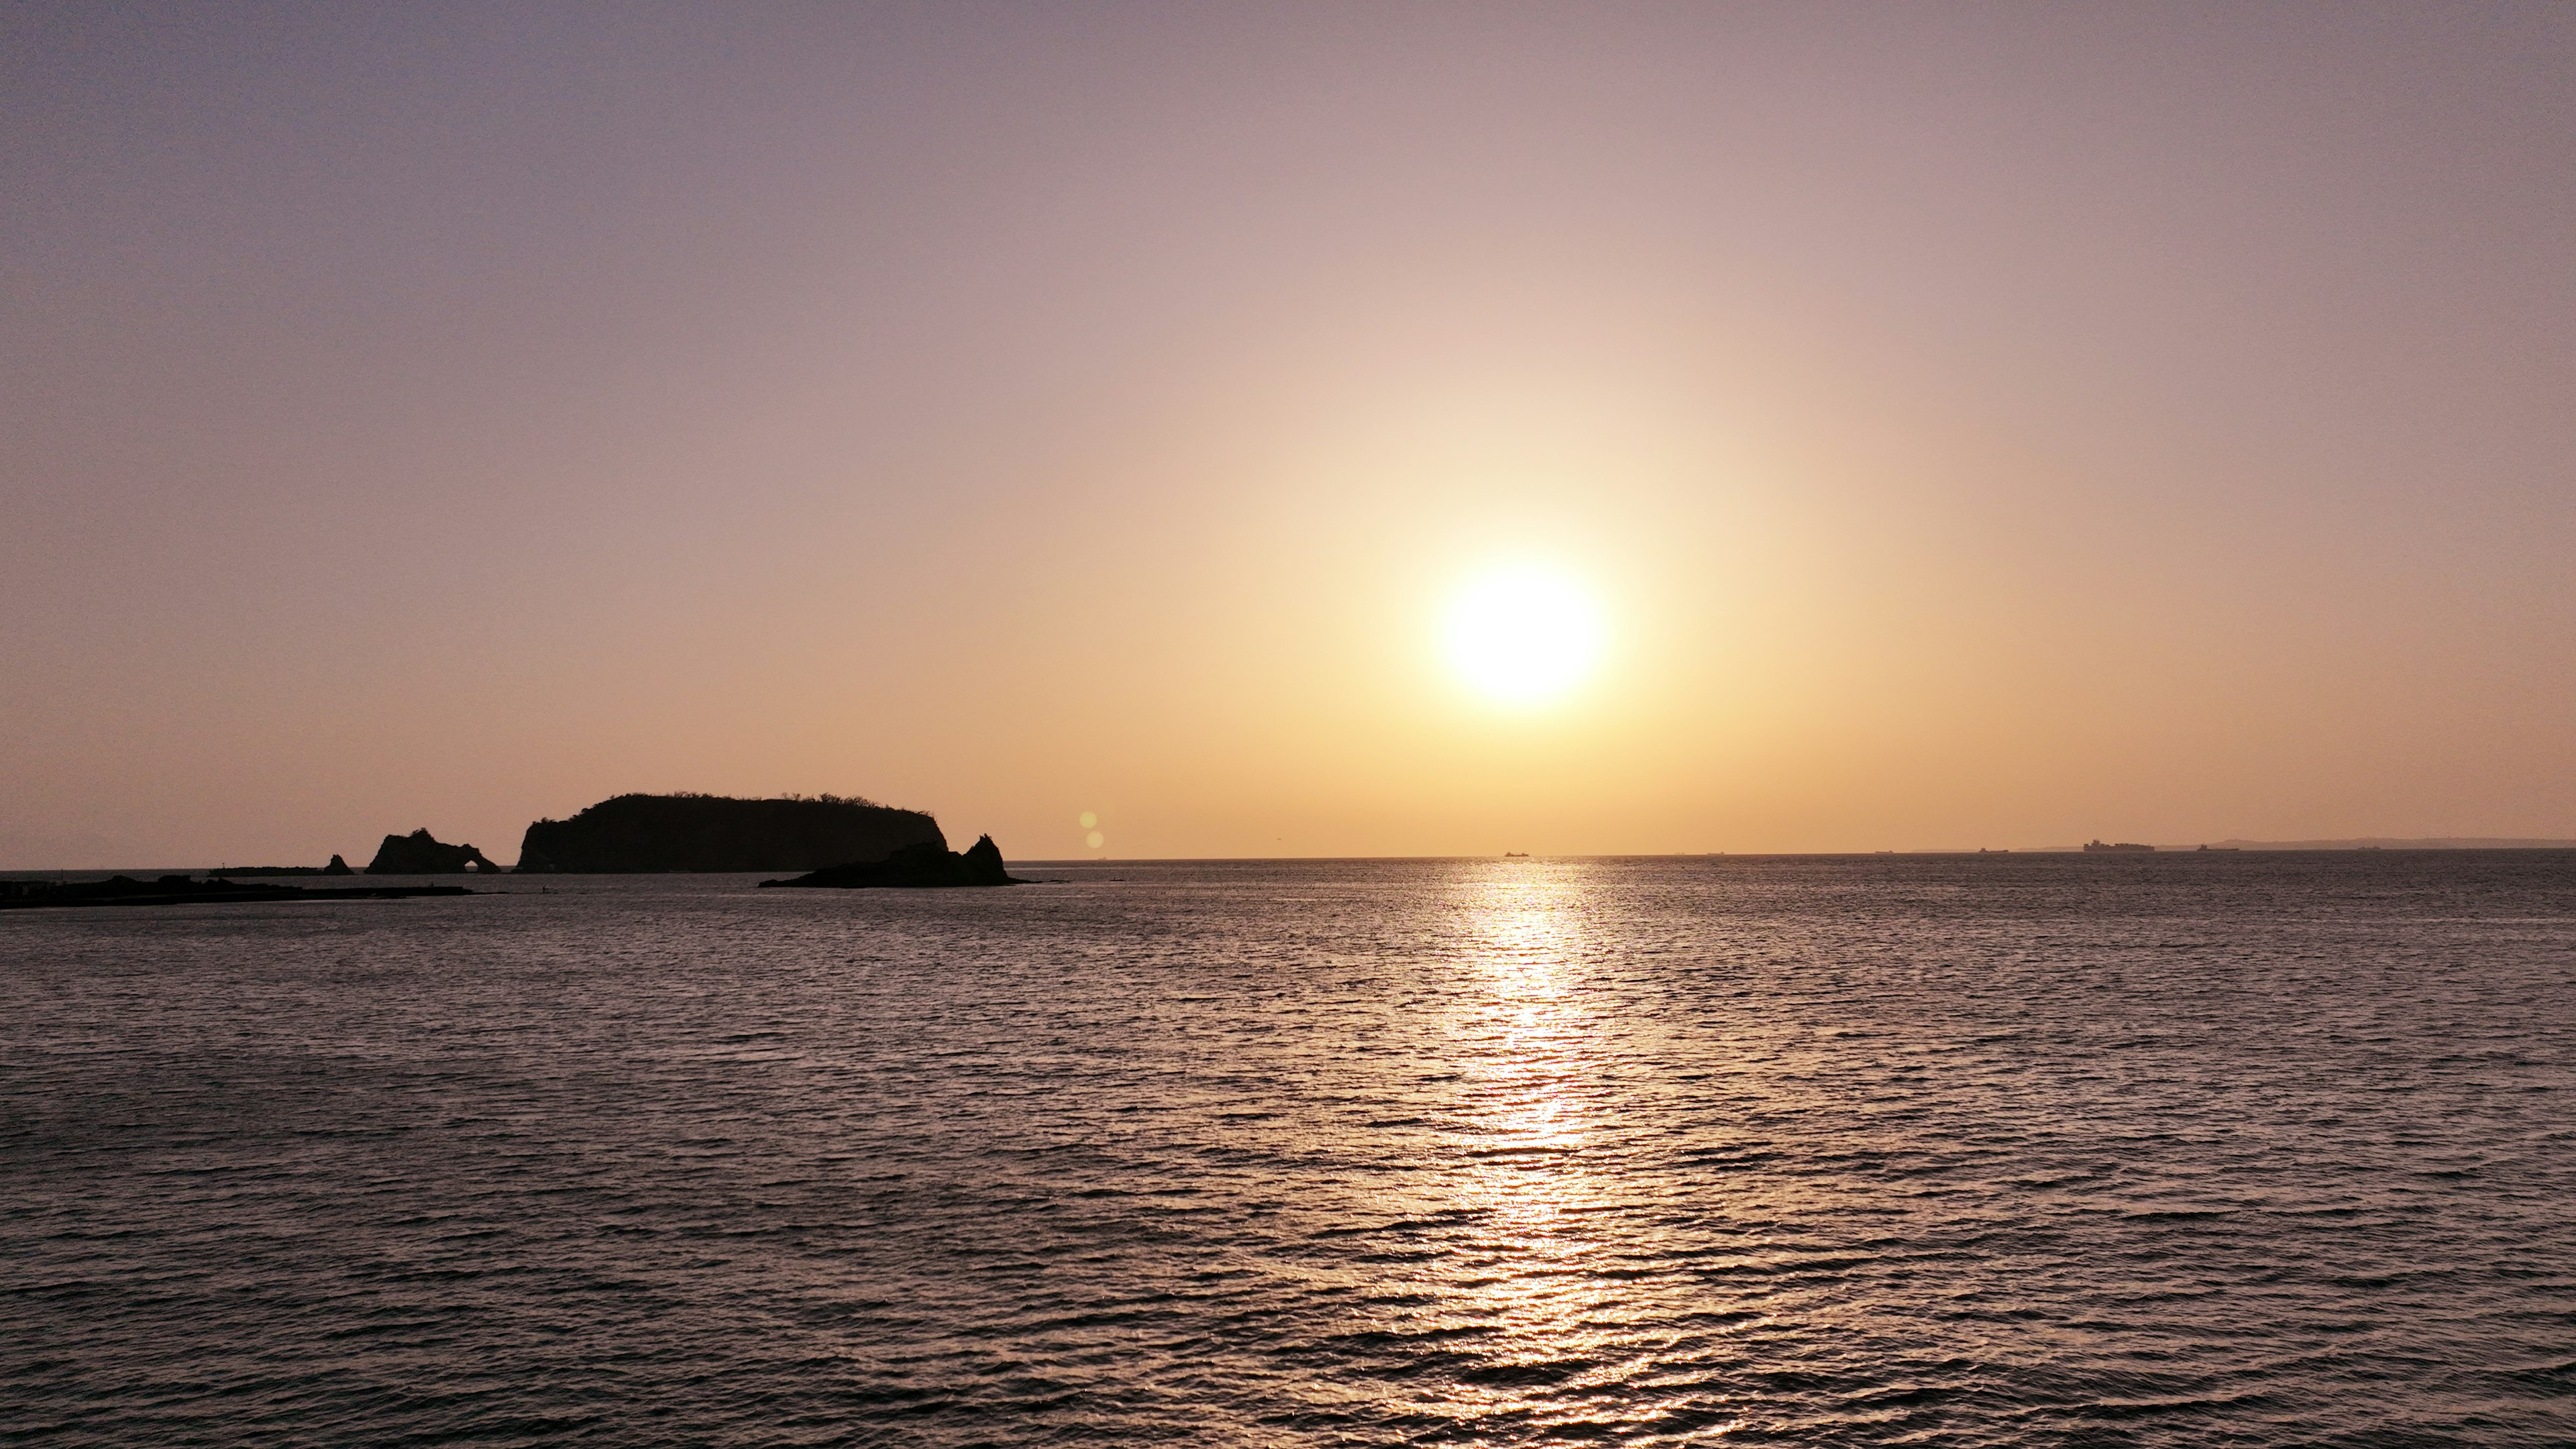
{"x": 2091, "y": 845}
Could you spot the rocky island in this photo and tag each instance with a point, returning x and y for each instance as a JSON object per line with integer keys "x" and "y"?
{"x": 420, "y": 853}
{"x": 633, "y": 833}
{"x": 927, "y": 864}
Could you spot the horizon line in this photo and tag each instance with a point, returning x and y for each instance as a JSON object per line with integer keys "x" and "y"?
{"x": 2351, "y": 845}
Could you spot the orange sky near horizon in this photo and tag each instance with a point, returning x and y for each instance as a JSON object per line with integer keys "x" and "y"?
{"x": 1994, "y": 428}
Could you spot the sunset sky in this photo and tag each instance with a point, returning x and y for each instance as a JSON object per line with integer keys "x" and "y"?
{"x": 1955, "y": 426}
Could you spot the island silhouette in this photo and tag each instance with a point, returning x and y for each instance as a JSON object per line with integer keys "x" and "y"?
{"x": 915, "y": 866}
{"x": 636, "y": 833}
{"x": 840, "y": 840}
{"x": 420, "y": 853}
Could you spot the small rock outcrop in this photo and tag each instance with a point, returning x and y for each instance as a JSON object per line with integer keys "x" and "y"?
{"x": 420, "y": 853}
{"x": 915, "y": 866}
{"x": 337, "y": 867}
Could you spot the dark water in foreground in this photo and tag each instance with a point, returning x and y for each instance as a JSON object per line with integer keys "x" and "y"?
{"x": 2249, "y": 1149}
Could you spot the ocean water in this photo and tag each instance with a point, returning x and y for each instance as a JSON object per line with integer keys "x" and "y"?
{"x": 2169, "y": 1150}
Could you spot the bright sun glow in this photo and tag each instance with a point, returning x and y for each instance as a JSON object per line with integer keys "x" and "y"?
{"x": 1523, "y": 636}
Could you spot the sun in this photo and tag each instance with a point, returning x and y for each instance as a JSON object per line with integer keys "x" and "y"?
{"x": 1523, "y": 636}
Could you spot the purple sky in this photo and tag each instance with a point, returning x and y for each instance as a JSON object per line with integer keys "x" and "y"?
{"x": 1982, "y": 425}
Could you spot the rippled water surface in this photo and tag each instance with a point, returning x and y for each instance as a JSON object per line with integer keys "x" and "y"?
{"x": 2210, "y": 1149}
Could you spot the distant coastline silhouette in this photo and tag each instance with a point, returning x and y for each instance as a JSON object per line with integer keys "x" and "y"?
{"x": 180, "y": 890}
{"x": 337, "y": 866}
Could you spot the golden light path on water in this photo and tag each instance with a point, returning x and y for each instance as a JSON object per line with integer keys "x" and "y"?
{"x": 1551, "y": 1263}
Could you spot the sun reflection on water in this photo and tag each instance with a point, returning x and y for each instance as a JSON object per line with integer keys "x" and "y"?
{"x": 1532, "y": 1057}
{"x": 1529, "y": 1038}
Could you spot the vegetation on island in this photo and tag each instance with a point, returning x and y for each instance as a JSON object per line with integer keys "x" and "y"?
{"x": 688, "y": 832}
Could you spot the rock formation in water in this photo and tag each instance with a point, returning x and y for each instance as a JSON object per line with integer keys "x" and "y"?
{"x": 916, "y": 865}
{"x": 714, "y": 833}
{"x": 337, "y": 867}
{"x": 419, "y": 853}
